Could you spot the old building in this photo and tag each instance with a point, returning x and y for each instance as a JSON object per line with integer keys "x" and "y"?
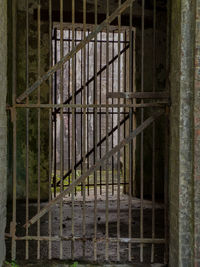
{"x": 100, "y": 132}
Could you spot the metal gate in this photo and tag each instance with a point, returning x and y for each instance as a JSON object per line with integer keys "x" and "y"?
{"x": 93, "y": 108}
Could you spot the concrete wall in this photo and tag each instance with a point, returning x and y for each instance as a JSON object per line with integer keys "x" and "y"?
{"x": 181, "y": 141}
{"x": 3, "y": 123}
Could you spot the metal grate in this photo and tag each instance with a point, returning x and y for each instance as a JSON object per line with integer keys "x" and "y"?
{"x": 93, "y": 108}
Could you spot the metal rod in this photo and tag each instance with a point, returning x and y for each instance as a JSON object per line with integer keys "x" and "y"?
{"x": 61, "y": 125}
{"x": 107, "y": 140}
{"x": 130, "y": 128}
{"x": 88, "y": 89}
{"x": 113, "y": 69}
{"x": 100, "y": 117}
{"x": 118, "y": 136}
{"x": 27, "y": 128}
{"x": 142, "y": 138}
{"x": 50, "y": 129}
{"x": 84, "y": 127}
{"x": 14, "y": 117}
{"x": 73, "y": 126}
{"x": 95, "y": 135}
{"x": 69, "y": 117}
{"x": 55, "y": 115}
{"x": 99, "y": 163}
{"x": 153, "y": 131}
{"x": 70, "y": 55}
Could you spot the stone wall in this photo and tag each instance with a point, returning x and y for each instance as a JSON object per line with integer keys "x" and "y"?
{"x": 3, "y": 126}
{"x": 181, "y": 139}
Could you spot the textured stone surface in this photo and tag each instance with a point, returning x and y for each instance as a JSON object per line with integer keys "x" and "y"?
{"x": 3, "y": 124}
{"x": 181, "y": 148}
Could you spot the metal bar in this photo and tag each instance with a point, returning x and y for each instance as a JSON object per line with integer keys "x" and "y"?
{"x": 107, "y": 140}
{"x": 77, "y": 238}
{"x": 95, "y": 133}
{"x": 92, "y": 150}
{"x": 113, "y": 68}
{"x": 73, "y": 106}
{"x": 14, "y": 118}
{"x": 88, "y": 76}
{"x": 92, "y": 41}
{"x": 50, "y": 129}
{"x": 153, "y": 131}
{"x": 39, "y": 125}
{"x": 139, "y": 95}
{"x": 55, "y": 115}
{"x": 69, "y": 117}
{"x": 142, "y": 139}
{"x": 92, "y": 78}
{"x": 92, "y": 35}
{"x": 118, "y": 136}
{"x": 100, "y": 117}
{"x": 27, "y": 127}
{"x": 61, "y": 125}
{"x": 125, "y": 84}
{"x": 130, "y": 130}
{"x": 75, "y": 120}
{"x": 99, "y": 163}
{"x": 84, "y": 127}
{"x": 73, "y": 127}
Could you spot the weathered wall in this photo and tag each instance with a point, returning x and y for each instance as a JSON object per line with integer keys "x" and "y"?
{"x": 181, "y": 141}
{"x": 21, "y": 81}
{"x": 3, "y": 127}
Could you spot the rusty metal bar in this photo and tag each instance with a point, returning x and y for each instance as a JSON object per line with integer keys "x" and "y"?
{"x": 39, "y": 124}
{"x": 88, "y": 75}
{"x": 14, "y": 118}
{"x": 84, "y": 128}
{"x": 107, "y": 140}
{"x": 27, "y": 128}
{"x": 61, "y": 124}
{"x": 73, "y": 127}
{"x": 100, "y": 117}
{"x": 70, "y": 55}
{"x": 99, "y": 163}
{"x": 118, "y": 135}
{"x": 160, "y": 104}
{"x": 77, "y": 238}
{"x": 55, "y": 115}
{"x": 95, "y": 132}
{"x": 142, "y": 139}
{"x": 50, "y": 130}
{"x": 153, "y": 131}
{"x": 130, "y": 130}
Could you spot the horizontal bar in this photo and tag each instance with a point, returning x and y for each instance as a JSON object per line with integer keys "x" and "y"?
{"x": 139, "y": 95}
{"x": 95, "y": 167}
{"x": 77, "y": 48}
{"x": 92, "y": 41}
{"x": 157, "y": 104}
{"x": 76, "y": 238}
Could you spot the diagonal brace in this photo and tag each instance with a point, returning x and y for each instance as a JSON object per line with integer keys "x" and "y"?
{"x": 95, "y": 167}
{"x": 77, "y": 48}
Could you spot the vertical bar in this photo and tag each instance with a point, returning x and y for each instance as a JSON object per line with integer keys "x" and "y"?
{"x": 113, "y": 80}
{"x": 27, "y": 128}
{"x": 13, "y": 225}
{"x": 50, "y": 127}
{"x": 73, "y": 125}
{"x": 84, "y": 123}
{"x": 88, "y": 76}
{"x": 39, "y": 125}
{"x": 95, "y": 137}
{"x": 61, "y": 126}
{"x": 75, "y": 120}
{"x": 107, "y": 137}
{"x": 69, "y": 117}
{"x": 124, "y": 68}
{"x": 55, "y": 115}
{"x": 130, "y": 129}
{"x": 153, "y": 132}
{"x": 119, "y": 134}
{"x": 100, "y": 88}
{"x": 142, "y": 139}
